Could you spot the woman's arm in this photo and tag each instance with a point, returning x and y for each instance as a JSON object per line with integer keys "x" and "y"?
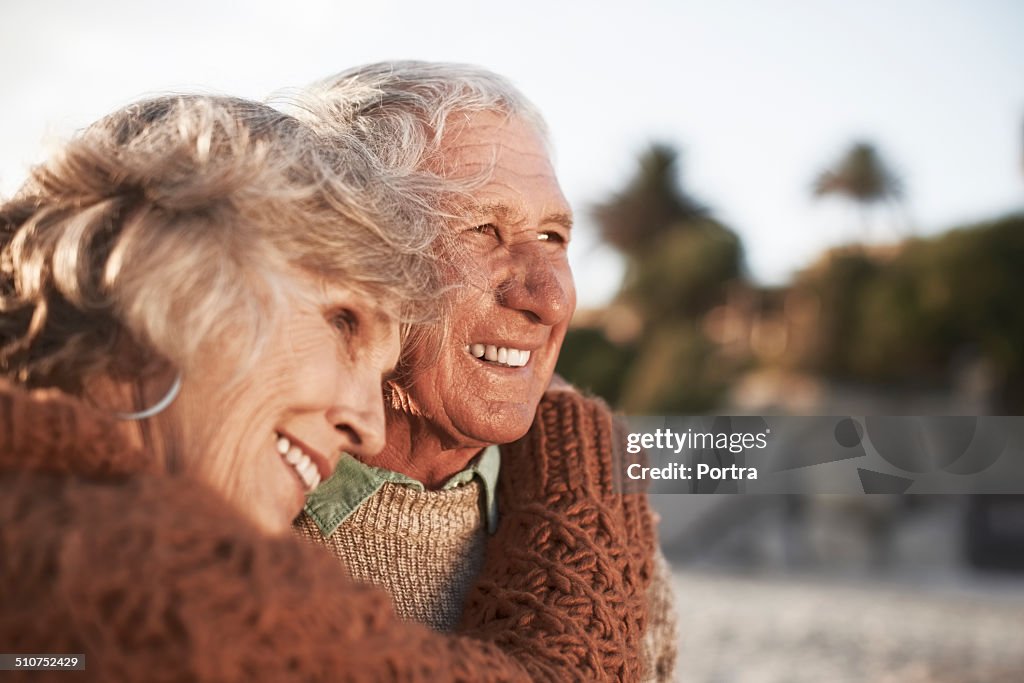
{"x": 571, "y": 562}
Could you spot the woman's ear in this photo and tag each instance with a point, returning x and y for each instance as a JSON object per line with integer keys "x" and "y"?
{"x": 139, "y": 407}
{"x": 134, "y": 379}
{"x": 130, "y": 360}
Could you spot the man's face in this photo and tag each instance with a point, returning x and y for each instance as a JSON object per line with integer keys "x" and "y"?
{"x": 515, "y": 292}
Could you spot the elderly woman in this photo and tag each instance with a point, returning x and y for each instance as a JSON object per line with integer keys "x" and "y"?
{"x": 197, "y": 308}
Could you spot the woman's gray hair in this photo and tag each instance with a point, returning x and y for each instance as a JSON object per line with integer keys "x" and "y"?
{"x": 177, "y": 223}
{"x": 399, "y": 113}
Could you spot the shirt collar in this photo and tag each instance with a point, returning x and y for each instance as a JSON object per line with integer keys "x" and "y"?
{"x": 354, "y": 482}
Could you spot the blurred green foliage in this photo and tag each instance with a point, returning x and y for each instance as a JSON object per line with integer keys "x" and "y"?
{"x": 679, "y": 261}
{"x": 680, "y": 274}
{"x": 907, "y": 314}
{"x": 652, "y": 201}
{"x": 677, "y": 371}
{"x": 912, "y": 316}
{"x": 860, "y": 175}
{"x": 591, "y": 362}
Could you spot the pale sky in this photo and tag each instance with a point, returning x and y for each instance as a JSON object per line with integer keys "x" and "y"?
{"x": 760, "y": 95}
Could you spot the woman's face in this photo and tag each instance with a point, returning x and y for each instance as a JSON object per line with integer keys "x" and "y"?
{"x": 314, "y": 391}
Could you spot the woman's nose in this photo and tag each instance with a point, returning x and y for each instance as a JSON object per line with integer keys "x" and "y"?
{"x": 358, "y": 416}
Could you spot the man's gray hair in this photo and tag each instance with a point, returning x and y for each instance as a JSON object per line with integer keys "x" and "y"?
{"x": 397, "y": 114}
{"x": 400, "y": 110}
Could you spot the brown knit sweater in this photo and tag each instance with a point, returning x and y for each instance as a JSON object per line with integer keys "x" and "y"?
{"x": 156, "y": 578}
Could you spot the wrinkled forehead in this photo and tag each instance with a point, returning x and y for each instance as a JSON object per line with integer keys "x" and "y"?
{"x": 473, "y": 139}
{"x": 499, "y": 165}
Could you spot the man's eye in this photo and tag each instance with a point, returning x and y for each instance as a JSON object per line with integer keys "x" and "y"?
{"x": 552, "y": 236}
{"x": 485, "y": 229}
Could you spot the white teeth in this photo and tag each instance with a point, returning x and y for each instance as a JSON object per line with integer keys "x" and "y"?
{"x": 300, "y": 462}
{"x": 515, "y": 358}
{"x": 306, "y": 468}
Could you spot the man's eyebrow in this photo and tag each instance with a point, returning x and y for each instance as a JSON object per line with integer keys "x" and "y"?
{"x": 506, "y": 214}
{"x": 559, "y": 218}
{"x": 499, "y": 210}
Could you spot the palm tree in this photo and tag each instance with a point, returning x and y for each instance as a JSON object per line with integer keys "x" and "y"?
{"x": 678, "y": 257}
{"x": 651, "y": 204}
{"x": 862, "y": 177}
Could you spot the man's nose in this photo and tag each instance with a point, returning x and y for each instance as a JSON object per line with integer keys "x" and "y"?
{"x": 538, "y": 286}
{"x": 358, "y": 415}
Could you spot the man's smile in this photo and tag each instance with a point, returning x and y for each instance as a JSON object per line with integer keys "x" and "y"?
{"x": 500, "y": 355}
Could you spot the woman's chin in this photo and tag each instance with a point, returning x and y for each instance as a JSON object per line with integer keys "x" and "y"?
{"x": 276, "y": 525}
{"x": 274, "y": 517}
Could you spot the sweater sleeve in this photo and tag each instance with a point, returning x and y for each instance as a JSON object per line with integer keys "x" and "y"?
{"x": 571, "y": 562}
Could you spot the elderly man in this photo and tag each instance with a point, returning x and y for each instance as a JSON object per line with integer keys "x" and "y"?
{"x": 414, "y": 519}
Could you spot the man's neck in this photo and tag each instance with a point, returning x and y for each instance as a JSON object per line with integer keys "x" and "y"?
{"x": 416, "y": 451}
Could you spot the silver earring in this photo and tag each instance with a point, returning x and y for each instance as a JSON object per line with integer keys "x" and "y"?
{"x": 156, "y": 408}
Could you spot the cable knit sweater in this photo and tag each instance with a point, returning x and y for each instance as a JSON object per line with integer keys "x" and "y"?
{"x": 154, "y": 577}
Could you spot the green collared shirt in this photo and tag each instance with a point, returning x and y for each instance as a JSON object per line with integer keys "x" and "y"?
{"x": 353, "y": 483}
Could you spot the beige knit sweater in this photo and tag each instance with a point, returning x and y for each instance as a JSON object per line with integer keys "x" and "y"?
{"x": 425, "y": 548}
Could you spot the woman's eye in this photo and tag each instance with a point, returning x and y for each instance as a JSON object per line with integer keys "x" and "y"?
{"x": 344, "y": 321}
